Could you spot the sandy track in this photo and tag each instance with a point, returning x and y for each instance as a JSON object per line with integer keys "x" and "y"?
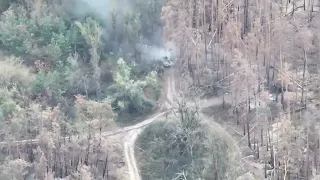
{"x": 172, "y": 96}
{"x": 130, "y": 155}
{"x": 104, "y": 134}
{"x": 130, "y": 140}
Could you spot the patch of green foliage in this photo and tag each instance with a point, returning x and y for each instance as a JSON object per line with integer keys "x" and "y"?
{"x": 41, "y": 34}
{"x": 76, "y": 59}
{"x": 128, "y": 95}
{"x": 7, "y": 106}
{"x": 15, "y": 80}
{"x": 184, "y": 149}
{"x": 50, "y": 84}
{"x": 38, "y": 34}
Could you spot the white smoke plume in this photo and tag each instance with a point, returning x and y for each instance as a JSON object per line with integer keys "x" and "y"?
{"x": 152, "y": 48}
{"x": 102, "y": 8}
{"x": 168, "y": 50}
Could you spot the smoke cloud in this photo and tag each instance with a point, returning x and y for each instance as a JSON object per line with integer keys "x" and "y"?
{"x": 158, "y": 52}
{"x": 150, "y": 47}
{"x": 101, "y": 8}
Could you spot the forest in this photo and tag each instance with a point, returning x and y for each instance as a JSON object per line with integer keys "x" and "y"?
{"x": 159, "y": 90}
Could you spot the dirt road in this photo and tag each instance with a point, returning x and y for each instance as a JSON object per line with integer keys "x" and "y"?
{"x": 169, "y": 103}
{"x": 132, "y": 136}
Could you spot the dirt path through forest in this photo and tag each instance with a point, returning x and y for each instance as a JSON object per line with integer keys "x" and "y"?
{"x": 172, "y": 96}
{"x": 130, "y": 140}
{"x": 131, "y": 132}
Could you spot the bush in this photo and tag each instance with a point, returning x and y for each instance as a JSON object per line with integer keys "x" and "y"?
{"x": 184, "y": 150}
{"x": 128, "y": 95}
{"x": 51, "y": 85}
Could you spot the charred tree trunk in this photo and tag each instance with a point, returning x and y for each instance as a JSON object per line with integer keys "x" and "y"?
{"x": 303, "y": 76}
{"x": 248, "y": 129}
{"x": 105, "y": 172}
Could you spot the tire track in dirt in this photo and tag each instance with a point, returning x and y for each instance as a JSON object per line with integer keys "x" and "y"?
{"x": 103, "y": 134}
{"x": 172, "y": 96}
{"x": 130, "y": 155}
{"x": 130, "y": 140}
{"x": 129, "y": 148}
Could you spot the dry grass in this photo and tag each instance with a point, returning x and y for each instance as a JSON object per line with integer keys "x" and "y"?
{"x": 223, "y": 123}
{"x": 233, "y": 149}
